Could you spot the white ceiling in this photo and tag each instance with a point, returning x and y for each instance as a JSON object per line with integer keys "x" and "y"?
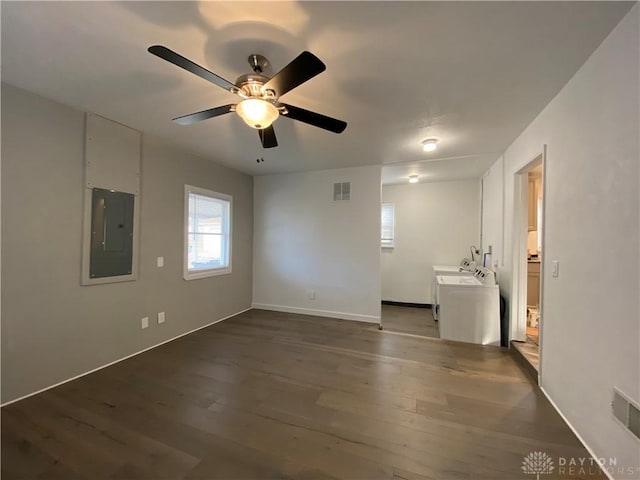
{"x": 438, "y": 169}
{"x": 472, "y": 74}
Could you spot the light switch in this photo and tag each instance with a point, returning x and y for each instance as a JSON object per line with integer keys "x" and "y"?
{"x": 145, "y": 322}
{"x": 160, "y": 317}
{"x": 160, "y": 262}
{"x": 555, "y": 268}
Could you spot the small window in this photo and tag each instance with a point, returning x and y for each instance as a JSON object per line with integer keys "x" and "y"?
{"x": 207, "y": 233}
{"x": 387, "y": 223}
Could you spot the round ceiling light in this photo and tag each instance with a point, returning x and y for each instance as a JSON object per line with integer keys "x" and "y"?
{"x": 430, "y": 144}
{"x": 257, "y": 113}
{"x": 413, "y": 178}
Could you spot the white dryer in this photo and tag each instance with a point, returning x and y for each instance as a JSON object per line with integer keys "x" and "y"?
{"x": 469, "y": 308}
{"x": 466, "y": 268}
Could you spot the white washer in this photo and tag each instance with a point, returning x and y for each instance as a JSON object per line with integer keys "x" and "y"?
{"x": 466, "y": 268}
{"x": 470, "y": 308}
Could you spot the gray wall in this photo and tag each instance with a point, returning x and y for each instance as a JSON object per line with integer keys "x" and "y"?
{"x": 54, "y": 329}
{"x": 332, "y": 247}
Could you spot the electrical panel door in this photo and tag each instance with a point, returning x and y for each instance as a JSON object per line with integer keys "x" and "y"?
{"x": 111, "y": 233}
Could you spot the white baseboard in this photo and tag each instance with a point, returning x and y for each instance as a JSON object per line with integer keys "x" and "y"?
{"x": 584, "y": 444}
{"x": 319, "y": 313}
{"x": 121, "y": 359}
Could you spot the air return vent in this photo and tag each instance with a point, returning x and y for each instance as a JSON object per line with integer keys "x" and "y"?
{"x": 626, "y": 411}
{"x": 342, "y": 191}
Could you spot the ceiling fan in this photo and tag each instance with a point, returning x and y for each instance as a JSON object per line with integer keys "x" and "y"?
{"x": 260, "y": 95}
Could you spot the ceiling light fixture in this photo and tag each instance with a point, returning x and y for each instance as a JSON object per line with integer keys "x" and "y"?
{"x": 257, "y": 113}
{"x": 430, "y": 144}
{"x": 413, "y": 178}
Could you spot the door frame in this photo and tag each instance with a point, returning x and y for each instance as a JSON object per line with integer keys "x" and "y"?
{"x": 520, "y": 234}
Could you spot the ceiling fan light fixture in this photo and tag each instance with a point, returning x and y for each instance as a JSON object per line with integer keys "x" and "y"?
{"x": 430, "y": 144}
{"x": 413, "y": 178}
{"x": 257, "y": 113}
{"x": 259, "y": 106}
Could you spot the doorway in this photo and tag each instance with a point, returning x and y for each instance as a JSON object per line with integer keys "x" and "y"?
{"x": 528, "y": 259}
{"x": 534, "y": 252}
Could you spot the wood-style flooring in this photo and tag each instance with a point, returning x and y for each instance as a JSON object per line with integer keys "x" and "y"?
{"x": 530, "y": 351}
{"x": 416, "y": 321}
{"x": 268, "y": 395}
{"x": 533, "y": 334}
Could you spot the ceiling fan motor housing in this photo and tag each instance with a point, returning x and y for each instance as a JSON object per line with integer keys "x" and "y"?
{"x": 250, "y": 85}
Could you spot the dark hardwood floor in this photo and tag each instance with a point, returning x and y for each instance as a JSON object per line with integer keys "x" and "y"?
{"x": 272, "y": 395}
{"x": 530, "y": 351}
{"x": 416, "y": 321}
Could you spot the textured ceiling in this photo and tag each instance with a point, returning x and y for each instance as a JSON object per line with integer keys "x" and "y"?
{"x": 472, "y": 74}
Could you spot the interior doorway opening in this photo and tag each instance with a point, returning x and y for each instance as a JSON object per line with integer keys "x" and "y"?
{"x": 528, "y": 261}
{"x": 534, "y": 252}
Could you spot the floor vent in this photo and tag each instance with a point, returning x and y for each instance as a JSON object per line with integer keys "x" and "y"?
{"x": 342, "y": 191}
{"x": 626, "y": 411}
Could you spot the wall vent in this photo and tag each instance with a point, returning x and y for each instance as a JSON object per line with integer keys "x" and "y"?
{"x": 626, "y": 411}
{"x": 342, "y": 191}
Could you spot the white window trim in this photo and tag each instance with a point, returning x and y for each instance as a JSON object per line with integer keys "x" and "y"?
{"x": 211, "y": 272}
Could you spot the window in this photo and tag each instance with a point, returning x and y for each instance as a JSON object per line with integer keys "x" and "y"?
{"x": 207, "y": 233}
{"x": 387, "y": 223}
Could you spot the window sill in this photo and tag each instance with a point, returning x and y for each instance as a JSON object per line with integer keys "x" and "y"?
{"x": 196, "y": 275}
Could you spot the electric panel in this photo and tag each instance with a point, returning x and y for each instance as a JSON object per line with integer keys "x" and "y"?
{"x": 111, "y": 233}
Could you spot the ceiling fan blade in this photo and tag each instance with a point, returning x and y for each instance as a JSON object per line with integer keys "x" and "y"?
{"x": 203, "y": 115}
{"x": 315, "y": 119}
{"x": 268, "y": 137}
{"x": 182, "y": 62}
{"x": 302, "y": 68}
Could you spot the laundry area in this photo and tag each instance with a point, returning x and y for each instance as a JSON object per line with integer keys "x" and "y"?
{"x": 435, "y": 280}
{"x": 467, "y": 305}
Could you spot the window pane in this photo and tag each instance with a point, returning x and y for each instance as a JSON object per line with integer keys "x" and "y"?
{"x": 205, "y": 252}
{"x": 208, "y": 236}
{"x": 387, "y": 225}
{"x": 192, "y": 212}
{"x": 208, "y": 215}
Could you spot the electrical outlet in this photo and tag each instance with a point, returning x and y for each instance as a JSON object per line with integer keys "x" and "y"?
{"x": 160, "y": 262}
{"x": 145, "y": 322}
{"x": 555, "y": 268}
{"x": 311, "y": 294}
{"x": 160, "y": 317}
